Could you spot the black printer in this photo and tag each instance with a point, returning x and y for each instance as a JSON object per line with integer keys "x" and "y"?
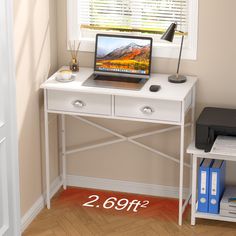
{"x": 213, "y": 122}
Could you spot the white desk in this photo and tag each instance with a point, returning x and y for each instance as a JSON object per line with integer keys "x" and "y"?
{"x": 195, "y": 154}
{"x": 167, "y": 106}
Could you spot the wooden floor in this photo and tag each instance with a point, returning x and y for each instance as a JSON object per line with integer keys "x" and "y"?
{"x": 68, "y": 216}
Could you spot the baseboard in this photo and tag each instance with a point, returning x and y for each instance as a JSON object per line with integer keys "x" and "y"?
{"x": 30, "y": 215}
{"x": 55, "y": 186}
{"x": 125, "y": 186}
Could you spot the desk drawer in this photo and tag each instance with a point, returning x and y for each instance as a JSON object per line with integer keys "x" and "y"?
{"x": 142, "y": 108}
{"x": 79, "y": 102}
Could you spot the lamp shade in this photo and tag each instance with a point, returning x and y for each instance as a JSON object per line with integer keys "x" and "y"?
{"x": 170, "y": 32}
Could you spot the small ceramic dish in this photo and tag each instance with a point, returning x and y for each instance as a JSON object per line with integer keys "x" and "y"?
{"x": 64, "y": 76}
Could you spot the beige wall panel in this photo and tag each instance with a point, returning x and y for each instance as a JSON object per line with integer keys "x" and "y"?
{"x": 36, "y": 58}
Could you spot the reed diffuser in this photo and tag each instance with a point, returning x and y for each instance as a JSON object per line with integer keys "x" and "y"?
{"x": 74, "y": 50}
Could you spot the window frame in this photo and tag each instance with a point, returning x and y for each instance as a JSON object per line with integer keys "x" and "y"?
{"x": 160, "y": 49}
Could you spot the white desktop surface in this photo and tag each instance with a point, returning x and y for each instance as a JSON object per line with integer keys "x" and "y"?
{"x": 168, "y": 91}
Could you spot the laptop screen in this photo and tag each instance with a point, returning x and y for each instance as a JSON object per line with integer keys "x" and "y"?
{"x": 123, "y": 54}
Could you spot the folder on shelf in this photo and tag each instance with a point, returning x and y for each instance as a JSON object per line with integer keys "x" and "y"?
{"x": 217, "y": 185}
{"x": 203, "y": 184}
{"x": 228, "y": 203}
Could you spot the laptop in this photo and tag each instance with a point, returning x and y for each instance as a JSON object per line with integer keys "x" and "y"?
{"x": 122, "y": 62}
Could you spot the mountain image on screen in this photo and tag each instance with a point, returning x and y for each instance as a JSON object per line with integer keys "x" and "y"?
{"x": 132, "y": 57}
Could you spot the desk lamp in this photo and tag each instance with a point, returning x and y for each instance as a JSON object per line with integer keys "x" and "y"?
{"x": 169, "y": 36}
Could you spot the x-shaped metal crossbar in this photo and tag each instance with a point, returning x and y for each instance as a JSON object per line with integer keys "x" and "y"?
{"x": 131, "y": 139}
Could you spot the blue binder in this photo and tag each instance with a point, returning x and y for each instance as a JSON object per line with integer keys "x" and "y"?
{"x": 203, "y": 184}
{"x": 217, "y": 185}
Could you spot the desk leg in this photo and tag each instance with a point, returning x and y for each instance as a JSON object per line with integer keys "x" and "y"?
{"x": 63, "y": 143}
{"x": 47, "y": 162}
{"x": 192, "y": 128}
{"x": 193, "y": 113}
{"x": 181, "y": 164}
{"x": 194, "y": 186}
{"x": 181, "y": 173}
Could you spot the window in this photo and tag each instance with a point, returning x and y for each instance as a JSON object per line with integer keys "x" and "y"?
{"x": 86, "y": 18}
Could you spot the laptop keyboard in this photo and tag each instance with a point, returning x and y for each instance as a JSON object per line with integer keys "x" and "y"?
{"x": 117, "y": 78}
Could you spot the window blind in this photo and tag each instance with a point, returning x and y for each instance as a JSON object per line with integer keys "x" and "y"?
{"x": 147, "y": 16}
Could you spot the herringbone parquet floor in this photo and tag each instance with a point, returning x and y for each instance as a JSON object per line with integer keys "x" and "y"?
{"x": 68, "y": 216}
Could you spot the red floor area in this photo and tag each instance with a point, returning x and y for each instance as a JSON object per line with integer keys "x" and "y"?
{"x": 157, "y": 207}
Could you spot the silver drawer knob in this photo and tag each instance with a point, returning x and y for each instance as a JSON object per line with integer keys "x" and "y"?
{"x": 78, "y": 104}
{"x": 147, "y": 110}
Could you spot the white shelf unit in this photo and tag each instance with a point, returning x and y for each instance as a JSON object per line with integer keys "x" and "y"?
{"x": 214, "y": 217}
{"x": 195, "y": 154}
